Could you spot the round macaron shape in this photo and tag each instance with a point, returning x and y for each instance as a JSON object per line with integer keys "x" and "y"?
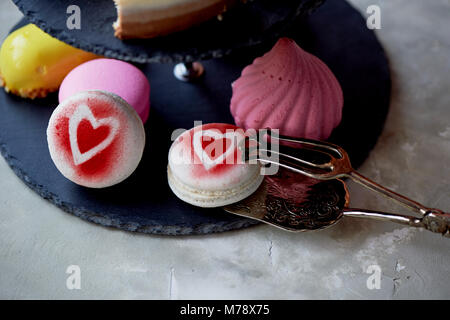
{"x": 95, "y": 138}
{"x": 206, "y": 166}
{"x": 115, "y": 76}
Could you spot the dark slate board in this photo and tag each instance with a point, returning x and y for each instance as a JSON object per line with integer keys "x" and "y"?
{"x": 246, "y": 25}
{"x": 336, "y": 33}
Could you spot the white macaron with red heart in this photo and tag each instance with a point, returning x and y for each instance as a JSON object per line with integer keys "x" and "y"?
{"x": 206, "y": 166}
{"x": 95, "y": 138}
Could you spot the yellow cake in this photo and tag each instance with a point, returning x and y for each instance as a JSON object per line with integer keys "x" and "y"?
{"x": 32, "y": 63}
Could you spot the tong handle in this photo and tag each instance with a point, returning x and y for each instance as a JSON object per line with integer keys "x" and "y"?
{"x": 434, "y": 220}
{"x": 348, "y": 171}
{"x": 366, "y": 182}
{"x": 437, "y": 221}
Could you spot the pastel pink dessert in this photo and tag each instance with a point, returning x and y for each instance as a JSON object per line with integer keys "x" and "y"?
{"x": 288, "y": 89}
{"x": 206, "y": 167}
{"x": 95, "y": 139}
{"x": 115, "y": 76}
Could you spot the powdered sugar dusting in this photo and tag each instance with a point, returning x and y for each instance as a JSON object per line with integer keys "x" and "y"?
{"x": 385, "y": 243}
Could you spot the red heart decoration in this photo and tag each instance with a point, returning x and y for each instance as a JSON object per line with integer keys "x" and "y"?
{"x": 207, "y": 142}
{"x": 212, "y": 146}
{"x": 88, "y": 137}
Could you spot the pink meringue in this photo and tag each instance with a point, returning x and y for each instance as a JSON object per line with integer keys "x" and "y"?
{"x": 288, "y": 89}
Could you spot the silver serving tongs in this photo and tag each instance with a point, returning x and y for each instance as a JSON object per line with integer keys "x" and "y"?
{"x": 325, "y": 161}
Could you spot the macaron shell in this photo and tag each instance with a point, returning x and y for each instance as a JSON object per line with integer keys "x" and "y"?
{"x": 110, "y": 75}
{"x": 106, "y": 144}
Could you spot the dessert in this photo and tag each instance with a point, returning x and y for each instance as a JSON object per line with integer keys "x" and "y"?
{"x": 95, "y": 139}
{"x": 152, "y": 18}
{"x": 206, "y": 168}
{"x": 110, "y": 75}
{"x": 32, "y": 63}
{"x": 288, "y": 89}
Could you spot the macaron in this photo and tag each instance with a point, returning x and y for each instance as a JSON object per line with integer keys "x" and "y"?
{"x": 110, "y": 75}
{"x": 33, "y": 64}
{"x": 206, "y": 166}
{"x": 95, "y": 139}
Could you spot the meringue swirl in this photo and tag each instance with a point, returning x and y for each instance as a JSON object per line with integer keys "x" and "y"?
{"x": 288, "y": 89}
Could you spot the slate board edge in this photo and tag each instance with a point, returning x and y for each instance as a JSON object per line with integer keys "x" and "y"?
{"x": 97, "y": 218}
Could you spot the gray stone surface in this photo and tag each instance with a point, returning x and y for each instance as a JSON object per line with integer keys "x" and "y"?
{"x": 39, "y": 241}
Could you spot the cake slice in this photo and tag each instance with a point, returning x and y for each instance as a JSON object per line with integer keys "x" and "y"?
{"x": 152, "y": 18}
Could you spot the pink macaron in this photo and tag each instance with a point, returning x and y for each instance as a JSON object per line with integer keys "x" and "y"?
{"x": 110, "y": 75}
